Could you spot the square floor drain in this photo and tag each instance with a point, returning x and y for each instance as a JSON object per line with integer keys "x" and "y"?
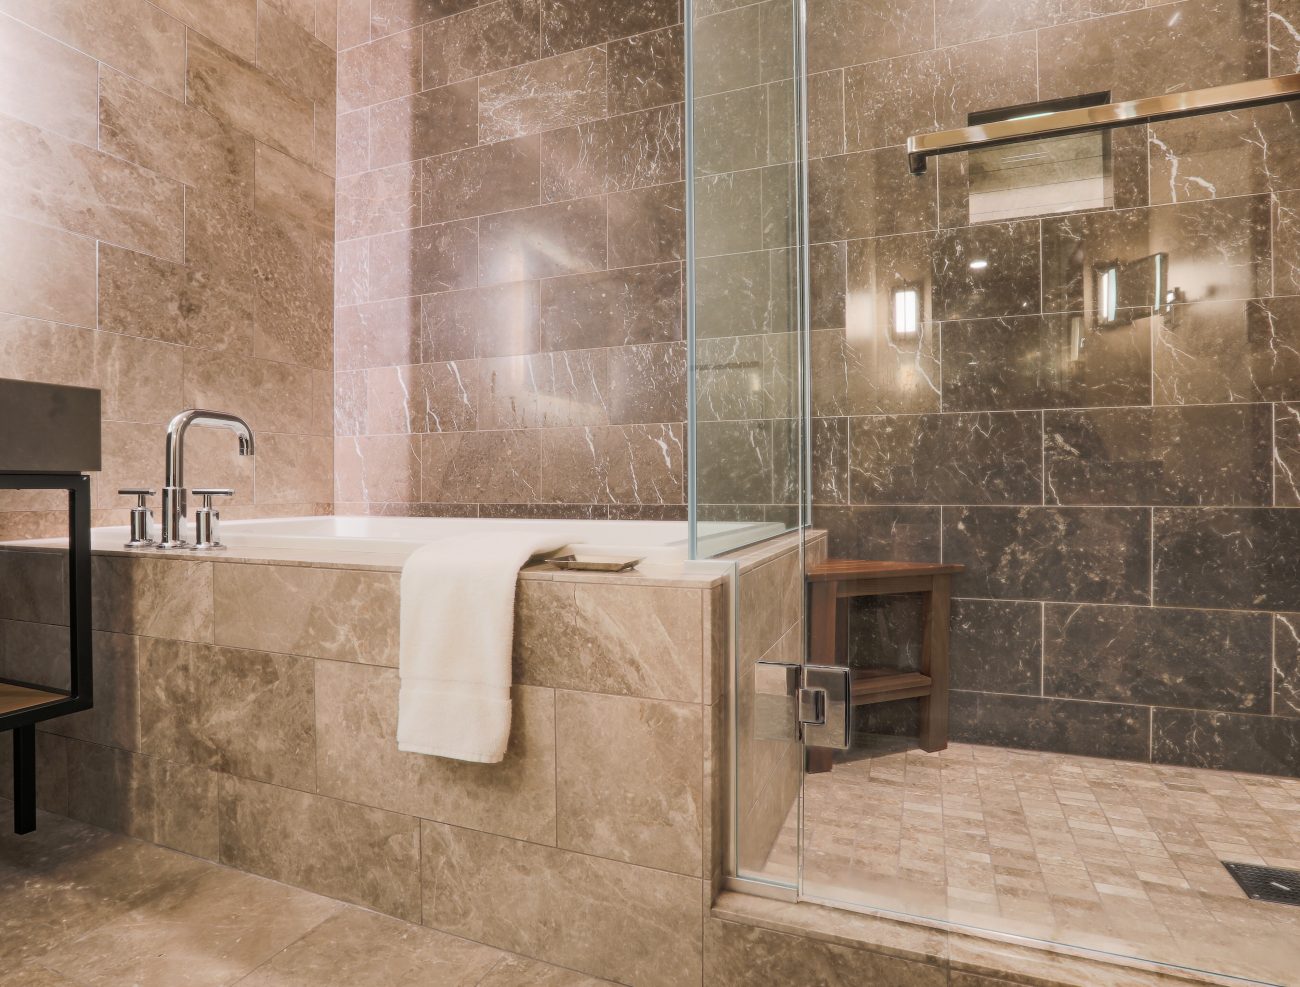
{"x": 1273, "y": 884}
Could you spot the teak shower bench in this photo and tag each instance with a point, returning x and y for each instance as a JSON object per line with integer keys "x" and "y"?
{"x": 831, "y": 584}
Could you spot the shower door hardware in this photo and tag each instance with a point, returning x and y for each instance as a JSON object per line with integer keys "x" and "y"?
{"x": 1239, "y": 95}
{"x": 808, "y": 703}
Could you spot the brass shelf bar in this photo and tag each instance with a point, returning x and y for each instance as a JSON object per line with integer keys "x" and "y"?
{"x": 1218, "y": 99}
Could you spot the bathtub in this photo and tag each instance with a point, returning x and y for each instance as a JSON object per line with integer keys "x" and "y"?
{"x": 659, "y": 543}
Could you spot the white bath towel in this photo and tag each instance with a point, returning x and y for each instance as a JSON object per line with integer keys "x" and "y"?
{"x": 457, "y": 626}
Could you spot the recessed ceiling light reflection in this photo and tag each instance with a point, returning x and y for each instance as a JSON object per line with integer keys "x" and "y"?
{"x": 978, "y": 265}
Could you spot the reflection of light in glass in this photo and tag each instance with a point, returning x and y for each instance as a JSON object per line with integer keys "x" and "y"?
{"x": 1108, "y": 293}
{"x": 978, "y": 265}
{"x": 907, "y": 314}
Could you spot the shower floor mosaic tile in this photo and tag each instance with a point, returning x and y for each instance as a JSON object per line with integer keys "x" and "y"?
{"x": 1109, "y": 855}
{"x": 82, "y": 907}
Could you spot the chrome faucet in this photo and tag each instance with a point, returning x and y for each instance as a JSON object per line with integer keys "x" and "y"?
{"x": 173, "y": 491}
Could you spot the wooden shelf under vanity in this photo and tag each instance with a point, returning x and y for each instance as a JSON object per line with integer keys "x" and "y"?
{"x": 15, "y": 697}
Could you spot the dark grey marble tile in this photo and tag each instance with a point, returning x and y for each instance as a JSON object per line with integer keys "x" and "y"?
{"x": 485, "y": 179}
{"x": 1197, "y": 455}
{"x": 570, "y": 24}
{"x": 828, "y": 274}
{"x": 1286, "y": 243}
{"x": 647, "y": 226}
{"x": 960, "y": 21}
{"x": 850, "y": 32}
{"x": 646, "y": 70}
{"x": 1069, "y": 554}
{"x": 1267, "y": 745}
{"x": 903, "y": 534}
{"x": 947, "y": 459}
{"x": 424, "y": 260}
{"x": 866, "y": 194}
{"x": 1286, "y": 664}
{"x": 612, "y": 308}
{"x": 1058, "y": 725}
{"x": 432, "y": 122}
{"x": 1214, "y": 249}
{"x": 647, "y": 384}
{"x": 1156, "y": 656}
{"x": 1194, "y": 44}
{"x": 826, "y": 113}
{"x": 1286, "y": 455}
{"x": 886, "y": 632}
{"x": 480, "y": 467}
{"x": 729, "y": 213}
{"x": 830, "y": 461}
{"x": 726, "y": 47}
{"x": 540, "y": 96}
{"x": 545, "y": 390}
{"x": 986, "y": 271}
{"x": 734, "y": 296}
{"x": 1243, "y": 153}
{"x": 486, "y": 39}
{"x": 735, "y": 462}
{"x": 499, "y": 320}
{"x": 996, "y": 646}
{"x": 1284, "y": 41}
{"x": 1227, "y": 558}
{"x": 1228, "y": 351}
{"x": 623, "y": 152}
{"x": 1044, "y": 361}
{"x": 628, "y": 464}
{"x": 543, "y": 241}
{"x": 743, "y": 377}
{"x": 731, "y": 131}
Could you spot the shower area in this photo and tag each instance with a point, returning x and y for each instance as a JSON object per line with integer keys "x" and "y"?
{"x": 1064, "y": 355}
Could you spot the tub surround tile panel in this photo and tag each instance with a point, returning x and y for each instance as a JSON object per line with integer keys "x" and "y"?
{"x": 65, "y": 102}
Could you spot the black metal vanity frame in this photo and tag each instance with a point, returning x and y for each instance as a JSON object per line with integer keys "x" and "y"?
{"x": 22, "y": 721}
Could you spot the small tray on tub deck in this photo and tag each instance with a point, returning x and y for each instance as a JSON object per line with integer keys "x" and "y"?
{"x": 594, "y": 563}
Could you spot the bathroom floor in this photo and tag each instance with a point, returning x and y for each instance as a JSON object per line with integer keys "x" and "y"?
{"x": 82, "y": 907}
{"x": 1110, "y": 855}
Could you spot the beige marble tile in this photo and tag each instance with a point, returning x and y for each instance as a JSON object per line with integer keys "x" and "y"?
{"x": 209, "y": 932}
{"x": 133, "y": 36}
{"x": 270, "y": 396}
{"x": 603, "y": 917}
{"x": 289, "y": 52}
{"x": 544, "y": 95}
{"x": 140, "y": 378}
{"x": 52, "y": 794}
{"x": 381, "y": 70}
{"x": 33, "y": 587}
{"x": 514, "y": 970}
{"x": 355, "y": 948}
{"x": 248, "y": 99}
{"x": 164, "y": 802}
{"x": 294, "y": 295}
{"x": 34, "y": 652}
{"x": 751, "y": 956}
{"x": 358, "y": 759}
{"x": 169, "y": 598}
{"x": 46, "y": 273}
{"x": 34, "y": 975}
{"x": 231, "y": 24}
{"x": 635, "y": 641}
{"x": 770, "y": 602}
{"x": 294, "y": 469}
{"x": 51, "y": 180}
{"x": 163, "y": 134}
{"x": 293, "y": 192}
{"x": 320, "y": 613}
{"x": 650, "y": 815}
{"x": 366, "y": 856}
{"x": 244, "y": 712}
{"x": 64, "y": 102}
{"x": 114, "y": 720}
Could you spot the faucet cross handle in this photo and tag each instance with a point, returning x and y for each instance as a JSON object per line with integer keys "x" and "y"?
{"x": 207, "y": 520}
{"x": 141, "y": 516}
{"x": 207, "y": 493}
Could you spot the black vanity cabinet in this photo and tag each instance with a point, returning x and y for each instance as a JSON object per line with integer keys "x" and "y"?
{"x": 49, "y": 440}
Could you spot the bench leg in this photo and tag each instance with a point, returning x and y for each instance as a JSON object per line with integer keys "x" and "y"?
{"x": 24, "y": 778}
{"x": 934, "y": 663}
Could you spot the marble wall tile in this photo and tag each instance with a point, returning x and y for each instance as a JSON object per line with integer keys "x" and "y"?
{"x": 114, "y": 721}
{"x": 390, "y": 16}
{"x": 232, "y": 25}
{"x": 625, "y": 921}
{"x": 543, "y": 241}
{"x": 614, "y": 308}
{"x": 554, "y": 92}
{"x": 866, "y": 194}
{"x": 864, "y": 370}
{"x": 1198, "y": 455}
{"x": 352, "y": 142}
{"x": 294, "y": 273}
{"x": 1033, "y": 362}
{"x": 570, "y": 24}
{"x": 647, "y": 226}
{"x": 1286, "y": 664}
{"x": 642, "y": 464}
{"x": 1266, "y": 745}
{"x": 1161, "y": 657}
{"x": 65, "y": 102}
{"x": 997, "y": 646}
{"x": 1006, "y": 284}
{"x": 248, "y": 713}
{"x": 646, "y": 70}
{"x": 358, "y": 759}
{"x": 271, "y": 397}
{"x": 296, "y": 469}
{"x": 496, "y": 320}
{"x": 1284, "y": 37}
{"x": 384, "y": 69}
{"x": 293, "y": 195}
{"x": 652, "y": 816}
{"x": 338, "y": 614}
{"x": 729, "y": 213}
{"x": 1200, "y": 43}
{"x": 735, "y": 296}
{"x": 728, "y": 42}
{"x": 432, "y": 122}
{"x": 545, "y": 390}
{"x": 647, "y": 384}
{"x": 47, "y": 179}
{"x": 379, "y": 334}
{"x": 1078, "y": 555}
{"x": 736, "y": 463}
{"x": 850, "y": 32}
{"x": 830, "y": 461}
{"x": 1226, "y": 558}
{"x": 888, "y": 101}
{"x": 627, "y": 641}
{"x": 1091, "y": 729}
{"x": 632, "y": 150}
{"x": 133, "y": 36}
{"x": 248, "y": 99}
{"x": 424, "y": 260}
{"x": 47, "y": 273}
{"x": 946, "y": 459}
{"x": 967, "y": 20}
{"x": 500, "y": 467}
{"x": 732, "y": 131}
{"x": 753, "y": 956}
{"x": 278, "y": 833}
{"x": 1286, "y": 242}
{"x": 288, "y": 51}
{"x": 487, "y": 39}
{"x": 1286, "y": 455}
{"x": 169, "y": 598}
{"x": 484, "y": 179}
{"x": 1244, "y": 153}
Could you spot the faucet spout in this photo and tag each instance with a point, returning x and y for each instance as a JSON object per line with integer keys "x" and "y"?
{"x": 174, "y": 505}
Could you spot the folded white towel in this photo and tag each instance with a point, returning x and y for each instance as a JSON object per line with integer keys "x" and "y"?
{"x": 457, "y": 626}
